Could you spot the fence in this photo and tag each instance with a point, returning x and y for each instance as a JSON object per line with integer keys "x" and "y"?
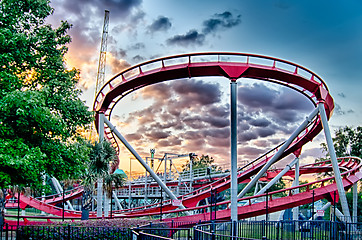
{"x": 163, "y": 233}
{"x": 8, "y": 232}
{"x": 66, "y": 232}
{"x": 279, "y": 230}
{"x": 246, "y": 230}
{"x": 165, "y": 230}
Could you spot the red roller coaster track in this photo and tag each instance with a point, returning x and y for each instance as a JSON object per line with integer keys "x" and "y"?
{"x": 231, "y": 66}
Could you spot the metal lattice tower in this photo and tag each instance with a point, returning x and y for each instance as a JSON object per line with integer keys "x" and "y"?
{"x": 102, "y": 55}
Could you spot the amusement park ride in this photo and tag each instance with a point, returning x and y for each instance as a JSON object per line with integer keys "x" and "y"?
{"x": 190, "y": 196}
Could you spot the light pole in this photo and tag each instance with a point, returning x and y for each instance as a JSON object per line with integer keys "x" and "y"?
{"x": 152, "y": 151}
{"x": 63, "y": 204}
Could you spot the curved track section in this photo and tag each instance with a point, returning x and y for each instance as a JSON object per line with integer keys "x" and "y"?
{"x": 351, "y": 168}
{"x": 230, "y": 65}
{"x": 51, "y": 199}
{"x": 250, "y": 206}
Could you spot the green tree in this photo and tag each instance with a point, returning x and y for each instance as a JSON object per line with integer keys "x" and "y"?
{"x": 202, "y": 162}
{"x": 347, "y": 142}
{"x": 102, "y": 156}
{"x": 40, "y": 109}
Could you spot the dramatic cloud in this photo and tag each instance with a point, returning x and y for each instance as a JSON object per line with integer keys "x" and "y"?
{"x": 220, "y": 21}
{"x": 193, "y": 114}
{"x": 160, "y": 24}
{"x": 117, "y": 65}
{"x": 261, "y": 122}
{"x": 137, "y": 46}
{"x": 342, "y": 95}
{"x": 197, "y": 92}
{"x": 285, "y": 105}
{"x": 196, "y": 37}
{"x": 339, "y": 111}
{"x": 193, "y": 37}
{"x": 85, "y": 7}
{"x": 138, "y": 59}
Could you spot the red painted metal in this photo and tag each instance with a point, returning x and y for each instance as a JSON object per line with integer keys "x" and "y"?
{"x": 132, "y": 79}
{"x": 52, "y": 199}
{"x": 185, "y": 66}
{"x": 325, "y": 190}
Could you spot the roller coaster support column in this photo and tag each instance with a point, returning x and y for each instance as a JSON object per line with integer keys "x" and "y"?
{"x": 296, "y": 191}
{"x": 279, "y": 153}
{"x": 138, "y": 157}
{"x": 332, "y": 153}
{"x": 100, "y": 180}
{"x": 354, "y": 203}
{"x": 59, "y": 190}
{"x": 116, "y": 200}
{"x": 234, "y": 160}
{"x": 277, "y": 177}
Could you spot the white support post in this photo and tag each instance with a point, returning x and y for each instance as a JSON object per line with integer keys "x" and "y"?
{"x": 256, "y": 188}
{"x": 116, "y": 200}
{"x": 59, "y": 190}
{"x": 99, "y": 197}
{"x": 279, "y": 153}
{"x": 296, "y": 191}
{"x": 106, "y": 204}
{"x": 191, "y": 173}
{"x": 233, "y": 157}
{"x": 43, "y": 193}
{"x": 165, "y": 172}
{"x": 354, "y": 203}
{"x": 324, "y": 208}
{"x": 277, "y": 177}
{"x": 129, "y": 184}
{"x": 100, "y": 180}
{"x": 332, "y": 153}
{"x": 138, "y": 157}
{"x": 146, "y": 179}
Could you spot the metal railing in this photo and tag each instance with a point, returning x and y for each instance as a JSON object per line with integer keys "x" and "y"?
{"x": 69, "y": 232}
{"x": 246, "y": 230}
{"x": 165, "y": 230}
{"x": 278, "y": 230}
{"x": 8, "y": 232}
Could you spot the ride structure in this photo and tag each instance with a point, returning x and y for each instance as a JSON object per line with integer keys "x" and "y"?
{"x": 233, "y": 66}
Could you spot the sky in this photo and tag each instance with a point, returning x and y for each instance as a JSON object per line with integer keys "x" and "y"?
{"x": 192, "y": 115}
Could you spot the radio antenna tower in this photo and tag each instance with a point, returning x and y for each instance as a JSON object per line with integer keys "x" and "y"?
{"x": 102, "y": 55}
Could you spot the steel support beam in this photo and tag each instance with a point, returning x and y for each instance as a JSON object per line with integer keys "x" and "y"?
{"x": 116, "y": 200}
{"x": 59, "y": 190}
{"x": 143, "y": 163}
{"x": 100, "y": 180}
{"x": 296, "y": 191}
{"x": 279, "y": 153}
{"x": 354, "y": 203}
{"x": 277, "y": 177}
{"x": 234, "y": 160}
{"x": 332, "y": 153}
{"x": 324, "y": 208}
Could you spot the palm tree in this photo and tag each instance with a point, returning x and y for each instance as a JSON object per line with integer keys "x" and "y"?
{"x": 101, "y": 157}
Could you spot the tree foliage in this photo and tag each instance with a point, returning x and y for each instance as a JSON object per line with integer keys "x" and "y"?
{"x": 347, "y": 142}
{"x": 101, "y": 156}
{"x": 40, "y": 109}
{"x": 201, "y": 162}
